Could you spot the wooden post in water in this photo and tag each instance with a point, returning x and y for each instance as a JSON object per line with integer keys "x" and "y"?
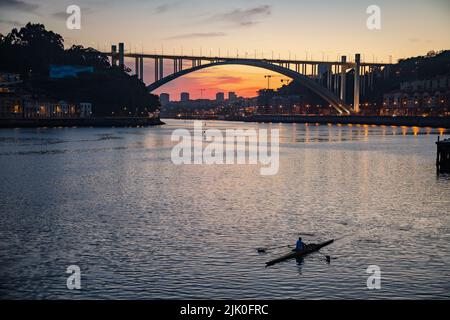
{"x": 443, "y": 156}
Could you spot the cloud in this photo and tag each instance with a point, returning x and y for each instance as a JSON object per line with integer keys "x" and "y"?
{"x": 11, "y": 23}
{"x": 60, "y": 15}
{"x": 232, "y": 79}
{"x": 198, "y": 35}
{"x": 215, "y": 80}
{"x": 164, "y": 7}
{"x": 18, "y": 5}
{"x": 64, "y": 15}
{"x": 416, "y": 40}
{"x": 244, "y": 17}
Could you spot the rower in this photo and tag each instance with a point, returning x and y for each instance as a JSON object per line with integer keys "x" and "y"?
{"x": 299, "y": 246}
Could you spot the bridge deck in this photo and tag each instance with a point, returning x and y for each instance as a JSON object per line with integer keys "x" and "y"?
{"x": 216, "y": 58}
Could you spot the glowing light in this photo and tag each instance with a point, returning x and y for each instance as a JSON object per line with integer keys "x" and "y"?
{"x": 404, "y": 130}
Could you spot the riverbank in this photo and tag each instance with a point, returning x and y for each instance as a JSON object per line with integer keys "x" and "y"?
{"x": 432, "y": 122}
{"x": 86, "y": 122}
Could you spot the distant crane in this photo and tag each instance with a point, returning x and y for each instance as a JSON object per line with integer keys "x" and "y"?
{"x": 201, "y": 93}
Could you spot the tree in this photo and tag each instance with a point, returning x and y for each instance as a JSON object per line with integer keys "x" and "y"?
{"x": 78, "y": 55}
{"x": 110, "y": 89}
{"x": 32, "y": 48}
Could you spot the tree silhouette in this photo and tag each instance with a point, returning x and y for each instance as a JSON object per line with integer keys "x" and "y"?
{"x": 31, "y": 50}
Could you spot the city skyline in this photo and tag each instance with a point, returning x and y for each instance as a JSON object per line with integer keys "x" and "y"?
{"x": 284, "y": 29}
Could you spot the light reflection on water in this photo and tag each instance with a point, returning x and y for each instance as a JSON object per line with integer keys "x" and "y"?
{"x": 111, "y": 201}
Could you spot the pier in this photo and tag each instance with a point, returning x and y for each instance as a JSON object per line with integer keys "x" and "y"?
{"x": 443, "y": 156}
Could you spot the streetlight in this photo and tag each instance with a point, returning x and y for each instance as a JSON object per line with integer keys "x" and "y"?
{"x": 268, "y": 80}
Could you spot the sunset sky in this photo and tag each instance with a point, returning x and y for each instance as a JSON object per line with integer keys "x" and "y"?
{"x": 282, "y": 28}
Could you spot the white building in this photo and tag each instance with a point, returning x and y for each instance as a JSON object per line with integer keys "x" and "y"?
{"x": 60, "y": 109}
{"x": 85, "y": 109}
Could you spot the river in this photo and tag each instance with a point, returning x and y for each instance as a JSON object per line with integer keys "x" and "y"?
{"x": 111, "y": 201}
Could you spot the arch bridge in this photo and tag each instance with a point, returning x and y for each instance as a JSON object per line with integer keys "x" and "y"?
{"x": 327, "y": 79}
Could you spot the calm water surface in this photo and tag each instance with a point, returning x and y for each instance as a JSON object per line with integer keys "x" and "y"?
{"x": 110, "y": 201}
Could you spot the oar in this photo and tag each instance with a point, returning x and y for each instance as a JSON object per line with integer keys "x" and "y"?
{"x": 326, "y": 256}
{"x": 263, "y": 250}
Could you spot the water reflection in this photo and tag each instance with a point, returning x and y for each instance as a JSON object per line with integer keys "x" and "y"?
{"x": 312, "y": 133}
{"x": 141, "y": 227}
{"x": 300, "y": 262}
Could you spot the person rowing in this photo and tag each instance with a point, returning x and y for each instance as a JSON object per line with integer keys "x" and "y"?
{"x": 299, "y": 246}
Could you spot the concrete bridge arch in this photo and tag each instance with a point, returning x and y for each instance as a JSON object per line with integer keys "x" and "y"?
{"x": 328, "y": 96}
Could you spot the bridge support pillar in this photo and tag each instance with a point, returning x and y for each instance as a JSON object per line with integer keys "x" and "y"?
{"x": 335, "y": 79}
{"x": 161, "y": 68}
{"x": 177, "y": 65}
{"x": 156, "y": 69}
{"x": 363, "y": 81}
{"x": 113, "y": 55}
{"x": 121, "y": 56}
{"x": 136, "y": 67}
{"x": 141, "y": 69}
{"x": 329, "y": 75}
{"x": 343, "y": 78}
{"x": 371, "y": 70}
{"x": 357, "y": 83}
